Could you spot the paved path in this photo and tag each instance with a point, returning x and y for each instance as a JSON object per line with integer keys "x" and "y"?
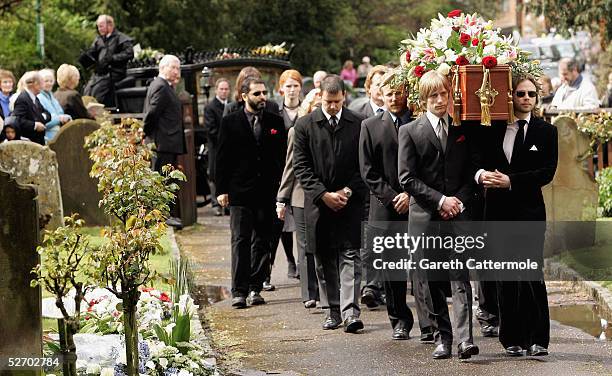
{"x": 282, "y": 337}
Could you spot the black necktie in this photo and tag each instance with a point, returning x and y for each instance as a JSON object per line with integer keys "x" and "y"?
{"x": 396, "y": 122}
{"x": 519, "y": 139}
{"x": 379, "y": 111}
{"x": 333, "y": 122}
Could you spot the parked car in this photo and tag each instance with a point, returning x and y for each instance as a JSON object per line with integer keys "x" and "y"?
{"x": 562, "y": 48}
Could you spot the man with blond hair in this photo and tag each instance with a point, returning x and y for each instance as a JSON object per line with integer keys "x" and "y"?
{"x": 376, "y": 104}
{"x": 435, "y": 169}
{"x": 109, "y": 54}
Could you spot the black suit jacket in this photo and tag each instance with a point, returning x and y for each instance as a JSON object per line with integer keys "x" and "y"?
{"x": 27, "y": 113}
{"x": 326, "y": 160}
{"x": 530, "y": 170}
{"x": 427, "y": 173}
{"x": 250, "y": 172}
{"x": 163, "y": 119}
{"x": 378, "y": 145}
{"x": 213, "y": 113}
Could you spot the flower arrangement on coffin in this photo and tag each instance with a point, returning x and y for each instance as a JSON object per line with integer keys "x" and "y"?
{"x": 450, "y": 46}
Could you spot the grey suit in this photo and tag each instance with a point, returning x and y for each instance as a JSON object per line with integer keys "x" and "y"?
{"x": 427, "y": 172}
{"x": 291, "y": 192}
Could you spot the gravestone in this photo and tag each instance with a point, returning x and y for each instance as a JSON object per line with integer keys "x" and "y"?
{"x": 572, "y": 196}
{"x": 20, "y": 304}
{"x": 79, "y": 190}
{"x": 31, "y": 163}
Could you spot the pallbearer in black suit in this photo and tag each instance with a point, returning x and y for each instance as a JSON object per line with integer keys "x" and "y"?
{"x": 163, "y": 121}
{"x": 250, "y": 161}
{"x": 213, "y": 113}
{"x": 388, "y": 201}
{"x": 520, "y": 159}
{"x": 326, "y": 162}
{"x": 436, "y": 169}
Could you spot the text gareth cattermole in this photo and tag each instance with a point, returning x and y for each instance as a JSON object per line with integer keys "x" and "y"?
{"x": 412, "y": 243}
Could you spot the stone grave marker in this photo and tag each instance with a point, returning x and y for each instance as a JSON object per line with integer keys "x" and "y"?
{"x": 20, "y": 304}
{"x": 31, "y": 163}
{"x": 79, "y": 190}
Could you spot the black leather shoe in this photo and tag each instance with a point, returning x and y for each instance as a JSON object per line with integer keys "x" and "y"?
{"x": 537, "y": 350}
{"x": 400, "y": 334}
{"x": 310, "y": 303}
{"x": 369, "y": 299}
{"x": 267, "y": 286}
{"x": 489, "y": 331}
{"x": 442, "y": 351}
{"x": 352, "y": 324}
{"x": 465, "y": 350}
{"x": 426, "y": 337}
{"x": 239, "y": 302}
{"x": 255, "y": 299}
{"x": 514, "y": 351}
{"x": 332, "y": 322}
{"x": 175, "y": 222}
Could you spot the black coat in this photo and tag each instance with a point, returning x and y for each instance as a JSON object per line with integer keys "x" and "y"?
{"x": 378, "y": 164}
{"x": 27, "y": 113}
{"x": 213, "y": 113}
{"x": 427, "y": 173}
{"x": 110, "y": 55}
{"x": 248, "y": 171}
{"x": 163, "y": 120}
{"x": 532, "y": 169}
{"x": 326, "y": 160}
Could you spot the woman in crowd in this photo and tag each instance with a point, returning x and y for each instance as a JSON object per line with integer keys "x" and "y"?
{"x": 7, "y": 83}
{"x": 291, "y": 193}
{"x": 547, "y": 91}
{"x": 68, "y": 79}
{"x": 348, "y": 73}
{"x": 48, "y": 101}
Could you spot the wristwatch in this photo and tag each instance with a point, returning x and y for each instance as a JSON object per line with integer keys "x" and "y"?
{"x": 347, "y": 191}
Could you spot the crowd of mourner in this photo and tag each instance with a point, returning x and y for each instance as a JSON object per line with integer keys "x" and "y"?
{"x": 308, "y": 170}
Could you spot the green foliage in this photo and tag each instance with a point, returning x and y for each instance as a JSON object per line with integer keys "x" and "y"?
{"x": 604, "y": 179}
{"x": 182, "y": 278}
{"x": 571, "y": 15}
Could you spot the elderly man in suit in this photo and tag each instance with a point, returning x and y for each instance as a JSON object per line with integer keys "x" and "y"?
{"x": 518, "y": 161}
{"x": 250, "y": 161}
{"x": 436, "y": 169}
{"x": 163, "y": 121}
{"x": 213, "y": 113}
{"x": 326, "y": 162}
{"x": 388, "y": 201}
{"x": 29, "y": 112}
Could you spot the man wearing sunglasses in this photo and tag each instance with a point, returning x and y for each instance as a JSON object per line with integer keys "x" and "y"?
{"x": 519, "y": 159}
{"x": 250, "y": 159}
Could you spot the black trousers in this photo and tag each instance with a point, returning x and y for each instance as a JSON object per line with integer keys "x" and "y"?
{"x": 251, "y": 238}
{"x": 488, "y": 309}
{"x": 161, "y": 160}
{"x": 523, "y": 313}
{"x": 306, "y": 260}
{"x": 397, "y": 309}
{"x": 422, "y": 303}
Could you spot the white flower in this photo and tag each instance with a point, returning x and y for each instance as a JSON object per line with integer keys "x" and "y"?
{"x": 150, "y": 364}
{"x": 93, "y": 369}
{"x": 503, "y": 59}
{"x": 489, "y": 50}
{"x": 444, "y": 69}
{"x": 451, "y": 56}
{"x": 107, "y": 372}
{"x": 163, "y": 362}
{"x": 184, "y": 373}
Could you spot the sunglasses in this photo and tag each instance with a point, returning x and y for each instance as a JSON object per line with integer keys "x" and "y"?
{"x": 258, "y": 93}
{"x": 521, "y": 94}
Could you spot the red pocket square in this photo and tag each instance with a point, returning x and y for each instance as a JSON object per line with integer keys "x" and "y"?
{"x": 461, "y": 138}
{"x": 273, "y": 131}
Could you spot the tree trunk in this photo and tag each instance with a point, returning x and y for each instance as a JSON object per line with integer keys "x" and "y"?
{"x": 130, "y": 301}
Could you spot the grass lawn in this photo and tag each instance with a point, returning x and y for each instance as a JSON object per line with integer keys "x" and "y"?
{"x": 158, "y": 262}
{"x": 594, "y": 263}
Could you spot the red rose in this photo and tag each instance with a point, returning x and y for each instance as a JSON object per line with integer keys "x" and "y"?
{"x": 464, "y": 39}
{"x": 489, "y": 61}
{"x": 475, "y": 42}
{"x": 461, "y": 60}
{"x": 454, "y": 13}
{"x": 419, "y": 70}
{"x": 164, "y": 297}
{"x": 273, "y": 131}
{"x": 407, "y": 56}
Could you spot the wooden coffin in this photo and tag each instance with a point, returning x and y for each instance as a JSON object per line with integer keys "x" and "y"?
{"x": 470, "y": 81}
